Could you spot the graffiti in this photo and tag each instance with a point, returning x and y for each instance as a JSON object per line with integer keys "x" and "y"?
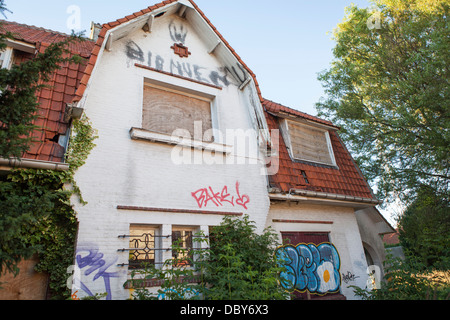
{"x": 206, "y": 195}
{"x": 183, "y": 294}
{"x": 178, "y": 34}
{"x": 310, "y": 267}
{"x": 349, "y": 277}
{"x": 91, "y": 261}
{"x": 74, "y": 296}
{"x": 134, "y": 52}
{"x": 219, "y": 77}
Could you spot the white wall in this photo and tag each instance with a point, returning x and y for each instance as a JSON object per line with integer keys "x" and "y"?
{"x": 344, "y": 235}
{"x": 122, "y": 171}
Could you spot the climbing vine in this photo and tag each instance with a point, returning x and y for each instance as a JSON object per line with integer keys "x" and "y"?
{"x": 36, "y": 215}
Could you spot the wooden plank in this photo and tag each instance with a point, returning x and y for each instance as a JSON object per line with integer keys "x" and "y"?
{"x": 166, "y": 111}
{"x": 28, "y": 285}
{"x": 309, "y": 144}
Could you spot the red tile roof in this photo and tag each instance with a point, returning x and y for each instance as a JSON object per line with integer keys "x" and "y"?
{"x": 52, "y": 100}
{"x": 345, "y": 180}
{"x": 35, "y": 35}
{"x": 392, "y": 238}
{"x": 276, "y": 108}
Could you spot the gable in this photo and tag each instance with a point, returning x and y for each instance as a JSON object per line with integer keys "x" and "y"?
{"x": 229, "y": 69}
{"x": 174, "y": 47}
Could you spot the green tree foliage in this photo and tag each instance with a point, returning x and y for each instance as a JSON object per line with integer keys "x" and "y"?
{"x": 242, "y": 265}
{"x": 424, "y": 230}
{"x": 239, "y": 265}
{"x": 403, "y": 281}
{"x": 36, "y": 215}
{"x": 388, "y": 88}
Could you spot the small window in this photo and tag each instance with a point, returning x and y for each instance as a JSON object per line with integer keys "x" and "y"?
{"x": 6, "y": 57}
{"x": 145, "y": 246}
{"x": 182, "y": 246}
{"x": 167, "y": 110}
{"x": 143, "y": 242}
{"x": 308, "y": 143}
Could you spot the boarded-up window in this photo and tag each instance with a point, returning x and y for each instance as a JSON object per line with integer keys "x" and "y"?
{"x": 310, "y": 144}
{"x": 166, "y": 111}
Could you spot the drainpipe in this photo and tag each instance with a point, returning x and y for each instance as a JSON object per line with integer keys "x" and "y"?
{"x": 296, "y": 194}
{"x": 33, "y": 164}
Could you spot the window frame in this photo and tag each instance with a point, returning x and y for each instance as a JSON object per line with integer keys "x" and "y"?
{"x": 157, "y": 246}
{"x": 188, "y": 93}
{"x": 285, "y": 129}
{"x": 7, "y": 58}
{"x": 193, "y": 231}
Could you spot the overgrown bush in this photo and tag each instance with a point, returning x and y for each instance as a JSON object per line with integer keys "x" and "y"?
{"x": 239, "y": 265}
{"x": 403, "y": 281}
{"x": 36, "y": 215}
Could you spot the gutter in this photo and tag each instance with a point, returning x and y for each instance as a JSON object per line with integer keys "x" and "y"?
{"x": 15, "y": 163}
{"x": 298, "y": 194}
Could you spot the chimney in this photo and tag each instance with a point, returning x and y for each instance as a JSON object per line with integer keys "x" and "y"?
{"x": 95, "y": 30}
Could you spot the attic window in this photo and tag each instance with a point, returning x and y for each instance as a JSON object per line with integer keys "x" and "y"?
{"x": 308, "y": 143}
{"x": 166, "y": 110}
{"x": 6, "y": 57}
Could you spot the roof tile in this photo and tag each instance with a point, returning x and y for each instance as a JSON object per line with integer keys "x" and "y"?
{"x": 344, "y": 180}
{"x": 59, "y": 90}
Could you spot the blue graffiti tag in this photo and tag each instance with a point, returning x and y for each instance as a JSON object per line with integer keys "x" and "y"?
{"x": 310, "y": 267}
{"x": 94, "y": 262}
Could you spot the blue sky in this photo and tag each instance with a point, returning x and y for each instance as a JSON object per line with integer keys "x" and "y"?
{"x": 286, "y": 43}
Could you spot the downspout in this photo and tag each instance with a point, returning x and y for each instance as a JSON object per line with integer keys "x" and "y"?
{"x": 15, "y": 163}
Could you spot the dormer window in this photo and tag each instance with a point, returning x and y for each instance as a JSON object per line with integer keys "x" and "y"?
{"x": 308, "y": 143}
{"x": 6, "y": 57}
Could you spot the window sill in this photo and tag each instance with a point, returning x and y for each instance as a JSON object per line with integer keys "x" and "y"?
{"x": 142, "y": 134}
{"x": 150, "y": 283}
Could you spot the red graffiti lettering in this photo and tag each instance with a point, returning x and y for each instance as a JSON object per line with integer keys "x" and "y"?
{"x": 242, "y": 201}
{"x": 206, "y": 195}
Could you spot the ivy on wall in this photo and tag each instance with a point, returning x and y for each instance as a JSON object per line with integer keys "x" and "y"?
{"x": 36, "y": 215}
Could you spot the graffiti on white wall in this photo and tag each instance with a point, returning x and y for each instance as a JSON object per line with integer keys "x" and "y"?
{"x": 310, "y": 267}
{"x": 92, "y": 269}
{"x": 207, "y": 196}
{"x": 222, "y": 76}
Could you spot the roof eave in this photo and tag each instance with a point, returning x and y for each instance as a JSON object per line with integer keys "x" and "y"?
{"x": 324, "y": 198}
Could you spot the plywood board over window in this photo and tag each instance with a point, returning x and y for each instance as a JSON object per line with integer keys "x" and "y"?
{"x": 165, "y": 111}
{"x": 309, "y": 143}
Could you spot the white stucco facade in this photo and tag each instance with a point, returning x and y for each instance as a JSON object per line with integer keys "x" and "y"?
{"x": 125, "y": 172}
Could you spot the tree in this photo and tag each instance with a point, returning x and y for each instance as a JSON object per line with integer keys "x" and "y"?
{"x": 388, "y": 88}
{"x": 18, "y": 88}
{"x": 35, "y": 211}
{"x": 424, "y": 230}
{"x": 241, "y": 264}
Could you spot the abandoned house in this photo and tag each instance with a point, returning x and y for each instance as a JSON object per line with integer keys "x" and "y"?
{"x": 186, "y": 138}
